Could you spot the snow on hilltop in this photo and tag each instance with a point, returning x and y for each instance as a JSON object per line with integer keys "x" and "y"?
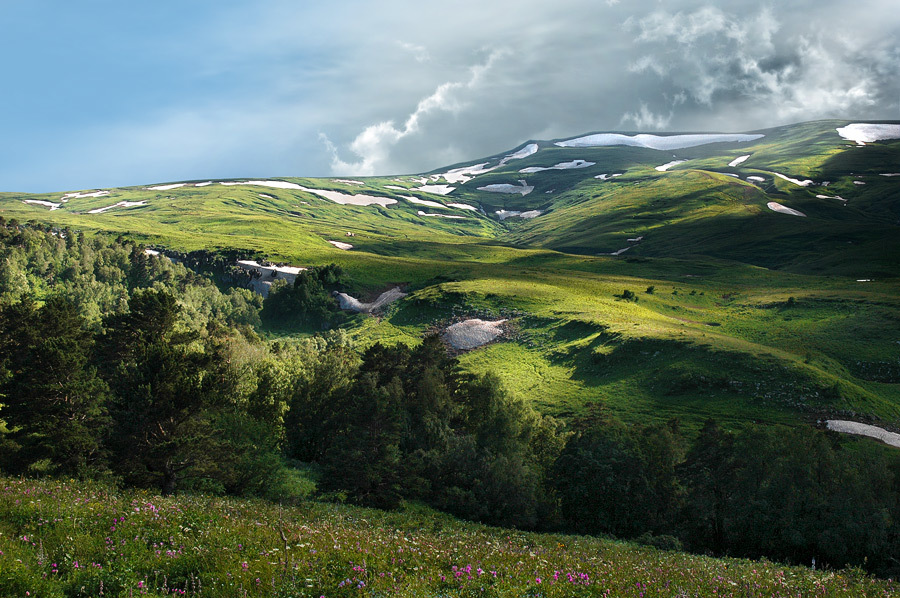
{"x": 657, "y": 142}
{"x": 863, "y": 133}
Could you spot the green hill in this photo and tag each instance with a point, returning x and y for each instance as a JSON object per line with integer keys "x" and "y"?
{"x": 754, "y": 314}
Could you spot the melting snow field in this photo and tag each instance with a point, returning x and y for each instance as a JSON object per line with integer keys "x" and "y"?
{"x": 738, "y": 160}
{"x": 423, "y": 202}
{"x": 335, "y": 196}
{"x": 758, "y": 179}
{"x": 657, "y": 142}
{"x": 504, "y": 214}
{"x": 472, "y": 333}
{"x": 421, "y": 213}
{"x": 863, "y": 133}
{"x": 463, "y": 206}
{"x": 347, "y": 181}
{"x": 268, "y": 270}
{"x": 522, "y": 188}
{"x": 69, "y": 196}
{"x": 838, "y": 197}
{"x": 38, "y": 202}
{"x": 436, "y": 189}
{"x": 268, "y": 274}
{"x": 203, "y": 184}
{"x": 341, "y": 245}
{"x": 620, "y": 251}
{"x": 849, "y": 427}
{"x": 121, "y": 204}
{"x": 560, "y": 166}
{"x": 606, "y": 177}
{"x": 859, "y": 183}
{"x": 526, "y": 151}
{"x": 777, "y": 207}
{"x": 166, "y": 187}
{"x": 465, "y": 173}
{"x": 349, "y": 303}
{"x": 264, "y": 196}
{"x": 396, "y": 187}
{"x": 891, "y": 174}
{"x": 669, "y": 165}
{"x": 805, "y": 183}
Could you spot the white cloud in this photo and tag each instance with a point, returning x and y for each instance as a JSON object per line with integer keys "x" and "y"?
{"x": 420, "y": 53}
{"x": 644, "y": 119}
{"x": 373, "y": 145}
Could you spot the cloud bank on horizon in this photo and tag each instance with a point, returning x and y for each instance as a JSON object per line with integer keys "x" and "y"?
{"x": 279, "y": 88}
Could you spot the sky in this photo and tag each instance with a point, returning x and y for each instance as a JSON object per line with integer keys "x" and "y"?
{"x": 102, "y": 93}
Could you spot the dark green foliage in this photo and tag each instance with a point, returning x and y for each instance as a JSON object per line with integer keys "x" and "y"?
{"x": 308, "y": 303}
{"x": 629, "y": 295}
{"x": 56, "y": 402}
{"x": 650, "y": 290}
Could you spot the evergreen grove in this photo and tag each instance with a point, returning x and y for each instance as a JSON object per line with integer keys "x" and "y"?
{"x": 126, "y": 367}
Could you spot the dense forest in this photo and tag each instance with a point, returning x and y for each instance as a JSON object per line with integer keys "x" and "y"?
{"x": 122, "y": 366}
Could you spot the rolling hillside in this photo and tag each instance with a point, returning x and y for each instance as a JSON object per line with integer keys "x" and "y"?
{"x": 761, "y": 268}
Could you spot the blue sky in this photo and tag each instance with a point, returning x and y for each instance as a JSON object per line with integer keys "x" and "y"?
{"x": 102, "y": 93}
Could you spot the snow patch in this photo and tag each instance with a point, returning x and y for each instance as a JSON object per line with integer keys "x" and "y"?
{"x": 264, "y": 196}
{"x": 349, "y": 303}
{"x": 606, "y": 177}
{"x": 522, "y": 188}
{"x": 463, "y": 206}
{"x": 777, "y": 207}
{"x": 838, "y": 197}
{"x": 470, "y": 334}
{"x": 38, "y": 202}
{"x": 69, "y": 196}
{"x": 436, "y": 189}
{"x": 657, "y": 142}
{"x": 859, "y": 182}
{"x": 738, "y": 160}
{"x": 352, "y": 200}
{"x": 560, "y": 166}
{"x": 526, "y": 151}
{"x": 203, "y": 184}
{"x": 422, "y": 202}
{"x": 730, "y": 174}
{"x": 465, "y": 173}
{"x": 758, "y": 179}
{"x": 347, "y": 181}
{"x": 151, "y": 252}
{"x": 669, "y": 165}
{"x": 341, "y": 245}
{"x": 891, "y": 174}
{"x": 850, "y": 427}
{"x": 804, "y": 183}
{"x": 121, "y": 204}
{"x": 396, "y": 187}
{"x": 863, "y": 133}
{"x": 268, "y": 274}
{"x": 504, "y": 214}
{"x": 166, "y": 187}
{"x": 636, "y": 239}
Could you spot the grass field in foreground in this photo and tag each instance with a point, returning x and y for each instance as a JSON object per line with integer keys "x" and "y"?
{"x": 73, "y": 539}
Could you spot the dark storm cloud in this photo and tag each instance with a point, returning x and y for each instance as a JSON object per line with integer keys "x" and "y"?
{"x": 277, "y": 87}
{"x": 640, "y": 66}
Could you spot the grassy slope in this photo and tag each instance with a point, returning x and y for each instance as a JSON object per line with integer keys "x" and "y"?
{"x": 716, "y": 337}
{"x": 62, "y": 538}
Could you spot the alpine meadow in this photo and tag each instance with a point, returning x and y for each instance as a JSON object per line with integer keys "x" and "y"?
{"x": 629, "y": 362}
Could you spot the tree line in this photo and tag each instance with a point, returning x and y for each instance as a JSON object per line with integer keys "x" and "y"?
{"x": 119, "y": 365}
